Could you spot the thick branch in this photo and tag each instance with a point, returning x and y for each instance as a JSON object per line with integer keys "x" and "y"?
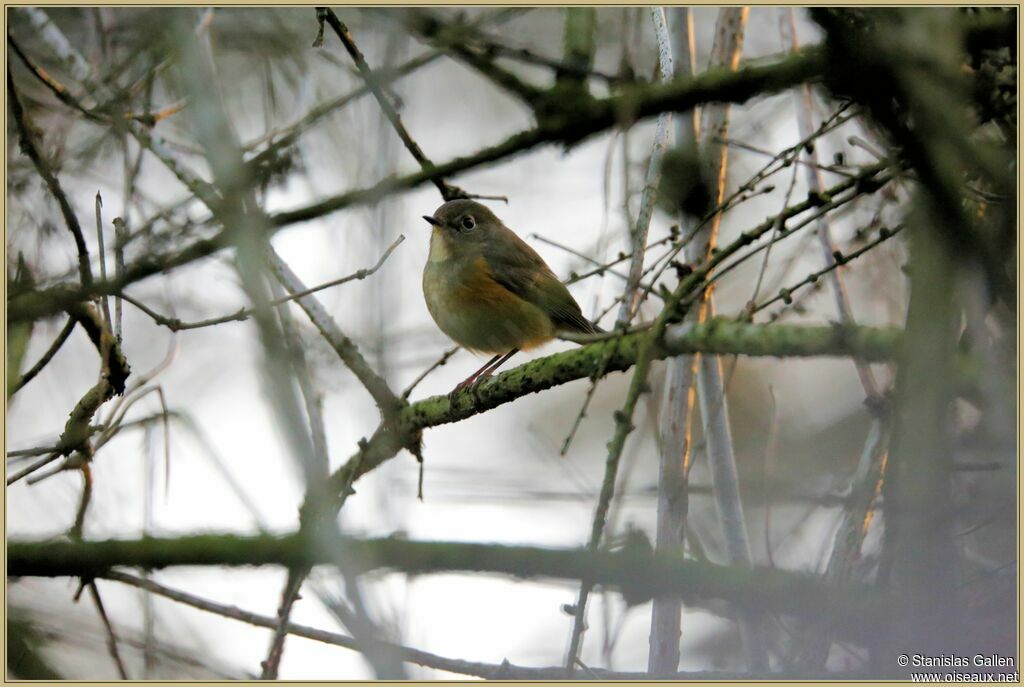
{"x": 634, "y": 570}
{"x": 569, "y": 121}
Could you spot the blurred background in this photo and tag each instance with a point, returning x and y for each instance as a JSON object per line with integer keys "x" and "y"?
{"x": 221, "y": 463}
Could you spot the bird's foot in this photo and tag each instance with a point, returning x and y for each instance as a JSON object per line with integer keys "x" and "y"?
{"x": 472, "y": 383}
{"x": 478, "y": 381}
{"x": 458, "y": 387}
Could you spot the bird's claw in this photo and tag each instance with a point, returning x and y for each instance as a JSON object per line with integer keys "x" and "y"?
{"x": 472, "y": 384}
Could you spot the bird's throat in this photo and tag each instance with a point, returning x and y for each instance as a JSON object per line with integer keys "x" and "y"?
{"x": 440, "y": 246}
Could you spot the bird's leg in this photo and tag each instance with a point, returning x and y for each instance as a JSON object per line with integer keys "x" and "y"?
{"x": 483, "y": 373}
{"x": 492, "y": 367}
{"x": 472, "y": 378}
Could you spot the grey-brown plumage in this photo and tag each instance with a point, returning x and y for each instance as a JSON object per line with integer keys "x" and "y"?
{"x": 489, "y": 290}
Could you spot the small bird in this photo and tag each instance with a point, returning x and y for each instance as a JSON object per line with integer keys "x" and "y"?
{"x": 489, "y": 291}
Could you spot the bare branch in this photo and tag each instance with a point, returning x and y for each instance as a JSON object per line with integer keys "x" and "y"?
{"x": 28, "y": 147}
{"x": 344, "y": 35}
{"x": 633, "y": 570}
{"x": 342, "y": 345}
{"x": 175, "y": 324}
{"x": 115, "y": 654}
{"x": 490, "y": 671}
{"x": 630, "y": 305}
{"x": 606, "y": 113}
{"x": 675, "y": 420}
{"x": 45, "y": 359}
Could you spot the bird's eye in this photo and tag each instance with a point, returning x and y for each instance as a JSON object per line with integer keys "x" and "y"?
{"x": 468, "y": 223}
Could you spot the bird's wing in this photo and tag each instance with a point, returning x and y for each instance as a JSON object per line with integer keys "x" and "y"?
{"x": 518, "y": 267}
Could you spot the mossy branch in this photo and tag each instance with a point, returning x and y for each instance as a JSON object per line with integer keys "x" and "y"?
{"x": 565, "y": 121}
{"x": 719, "y": 336}
{"x": 633, "y": 570}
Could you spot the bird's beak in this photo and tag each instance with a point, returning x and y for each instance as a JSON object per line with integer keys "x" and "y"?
{"x": 432, "y": 220}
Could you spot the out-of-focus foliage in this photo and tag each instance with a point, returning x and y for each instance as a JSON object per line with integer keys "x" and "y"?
{"x": 914, "y": 130}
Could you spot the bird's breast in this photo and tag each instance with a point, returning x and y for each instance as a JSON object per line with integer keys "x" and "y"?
{"x": 476, "y": 311}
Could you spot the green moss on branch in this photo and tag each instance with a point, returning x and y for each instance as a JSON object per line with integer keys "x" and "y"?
{"x": 634, "y": 570}
{"x": 715, "y": 336}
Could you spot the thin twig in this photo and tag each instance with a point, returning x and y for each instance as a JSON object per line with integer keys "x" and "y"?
{"x": 31, "y": 452}
{"x": 29, "y": 148}
{"x": 103, "y": 256}
{"x": 50, "y": 82}
{"x": 630, "y": 301}
{"x": 269, "y": 666}
{"x": 342, "y": 345}
{"x": 115, "y": 653}
{"x": 675, "y": 96}
{"x": 175, "y": 324}
{"x": 75, "y": 533}
{"x": 749, "y": 147}
{"x": 43, "y": 361}
{"x": 786, "y": 294}
{"x": 436, "y": 364}
{"x": 120, "y": 239}
{"x": 28, "y": 470}
{"x": 138, "y": 389}
{"x": 771, "y": 241}
{"x": 582, "y": 256}
{"x": 448, "y": 192}
{"x": 499, "y": 671}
